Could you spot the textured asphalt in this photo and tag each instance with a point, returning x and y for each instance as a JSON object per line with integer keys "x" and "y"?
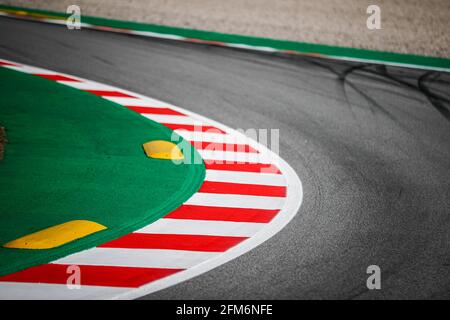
{"x": 370, "y": 144}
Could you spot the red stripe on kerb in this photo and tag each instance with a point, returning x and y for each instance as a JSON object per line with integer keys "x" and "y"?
{"x": 154, "y": 110}
{"x": 217, "y": 146}
{"x": 245, "y": 167}
{"x": 56, "y": 77}
{"x": 195, "y": 128}
{"x": 192, "y": 212}
{"x": 106, "y": 93}
{"x": 174, "y": 242}
{"x": 4, "y": 63}
{"x": 240, "y": 188}
{"x": 90, "y": 275}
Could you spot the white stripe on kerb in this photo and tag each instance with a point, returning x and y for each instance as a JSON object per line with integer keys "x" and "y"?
{"x": 209, "y": 137}
{"x": 173, "y": 119}
{"x": 157, "y": 35}
{"x": 245, "y": 177}
{"x": 250, "y": 47}
{"x": 28, "y": 69}
{"x": 235, "y": 201}
{"x": 87, "y": 85}
{"x": 203, "y": 227}
{"x": 145, "y": 258}
{"x": 234, "y": 157}
{"x": 148, "y": 102}
{"x": 135, "y": 102}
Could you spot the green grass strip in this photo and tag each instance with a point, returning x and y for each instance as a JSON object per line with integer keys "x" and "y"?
{"x": 300, "y": 47}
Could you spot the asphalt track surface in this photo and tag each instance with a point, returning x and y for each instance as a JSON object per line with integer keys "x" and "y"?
{"x": 371, "y": 145}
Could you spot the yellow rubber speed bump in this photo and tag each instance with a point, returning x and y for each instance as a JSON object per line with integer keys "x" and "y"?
{"x": 21, "y": 13}
{"x": 160, "y": 149}
{"x": 57, "y": 235}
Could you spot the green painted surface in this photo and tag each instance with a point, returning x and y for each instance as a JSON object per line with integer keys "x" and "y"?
{"x": 72, "y": 155}
{"x": 301, "y": 47}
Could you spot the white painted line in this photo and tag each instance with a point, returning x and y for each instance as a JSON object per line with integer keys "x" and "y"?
{"x": 245, "y": 177}
{"x": 145, "y": 258}
{"x": 235, "y": 201}
{"x": 203, "y": 227}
